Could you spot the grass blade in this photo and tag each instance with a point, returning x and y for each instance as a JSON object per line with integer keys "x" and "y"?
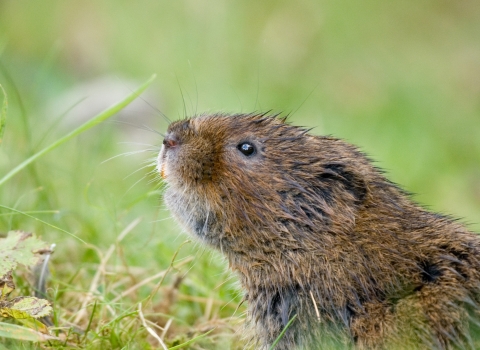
{"x": 282, "y": 333}
{"x": 44, "y": 222}
{"x": 13, "y": 331}
{"x": 3, "y": 113}
{"x": 191, "y": 340}
{"x": 87, "y": 125}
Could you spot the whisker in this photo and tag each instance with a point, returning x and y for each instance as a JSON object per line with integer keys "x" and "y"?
{"x": 128, "y": 154}
{"x": 136, "y": 126}
{"x": 258, "y": 89}
{"x": 160, "y": 220}
{"x": 56, "y": 121}
{"x": 183, "y": 97}
{"x": 151, "y": 106}
{"x": 136, "y": 171}
{"x": 153, "y": 130}
{"x": 149, "y": 182}
{"x": 238, "y": 97}
{"x": 196, "y": 86}
{"x": 138, "y": 144}
{"x": 141, "y": 179}
{"x": 305, "y": 99}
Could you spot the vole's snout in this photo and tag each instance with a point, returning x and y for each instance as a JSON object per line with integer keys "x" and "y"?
{"x": 170, "y": 141}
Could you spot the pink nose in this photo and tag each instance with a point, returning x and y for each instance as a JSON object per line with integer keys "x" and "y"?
{"x": 170, "y": 141}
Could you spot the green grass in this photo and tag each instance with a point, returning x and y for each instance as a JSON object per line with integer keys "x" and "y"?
{"x": 398, "y": 79}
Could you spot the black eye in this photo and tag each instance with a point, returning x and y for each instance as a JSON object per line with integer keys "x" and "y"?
{"x": 246, "y": 148}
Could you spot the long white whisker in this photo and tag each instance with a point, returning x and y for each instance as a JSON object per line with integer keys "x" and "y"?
{"x": 159, "y": 220}
{"x": 127, "y": 154}
{"x": 136, "y": 126}
{"x": 141, "y": 179}
{"x": 151, "y": 106}
{"x": 136, "y": 171}
{"x": 138, "y": 144}
{"x": 153, "y": 130}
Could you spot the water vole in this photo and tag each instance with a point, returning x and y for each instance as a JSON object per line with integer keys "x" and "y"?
{"x": 313, "y": 229}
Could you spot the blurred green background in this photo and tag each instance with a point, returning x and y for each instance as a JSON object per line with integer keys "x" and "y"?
{"x": 400, "y": 79}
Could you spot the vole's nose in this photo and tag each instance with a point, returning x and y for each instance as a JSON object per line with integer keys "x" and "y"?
{"x": 170, "y": 141}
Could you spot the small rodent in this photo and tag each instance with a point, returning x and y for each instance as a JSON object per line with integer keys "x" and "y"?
{"x": 313, "y": 229}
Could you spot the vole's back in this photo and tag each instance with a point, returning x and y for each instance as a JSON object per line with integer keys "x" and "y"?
{"x": 313, "y": 229}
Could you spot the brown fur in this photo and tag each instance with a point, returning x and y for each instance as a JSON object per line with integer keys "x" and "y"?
{"x": 310, "y": 225}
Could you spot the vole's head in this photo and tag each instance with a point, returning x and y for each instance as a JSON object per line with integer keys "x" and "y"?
{"x": 202, "y": 153}
{"x": 244, "y": 181}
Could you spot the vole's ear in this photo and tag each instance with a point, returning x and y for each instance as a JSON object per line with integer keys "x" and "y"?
{"x": 336, "y": 175}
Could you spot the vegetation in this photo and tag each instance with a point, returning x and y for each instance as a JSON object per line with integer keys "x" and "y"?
{"x": 401, "y": 80}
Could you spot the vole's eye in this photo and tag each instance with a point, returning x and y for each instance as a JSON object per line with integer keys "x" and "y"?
{"x": 246, "y": 148}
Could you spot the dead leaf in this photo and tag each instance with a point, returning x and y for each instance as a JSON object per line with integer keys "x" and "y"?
{"x": 19, "y": 248}
{"x": 6, "y": 285}
{"x": 25, "y": 307}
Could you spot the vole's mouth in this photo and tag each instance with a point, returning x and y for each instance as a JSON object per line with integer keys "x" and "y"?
{"x": 161, "y": 163}
{"x": 162, "y": 173}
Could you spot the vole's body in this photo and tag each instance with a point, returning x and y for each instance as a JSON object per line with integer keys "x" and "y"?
{"x": 313, "y": 229}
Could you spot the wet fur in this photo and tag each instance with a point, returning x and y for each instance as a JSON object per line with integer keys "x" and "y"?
{"x": 309, "y": 219}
